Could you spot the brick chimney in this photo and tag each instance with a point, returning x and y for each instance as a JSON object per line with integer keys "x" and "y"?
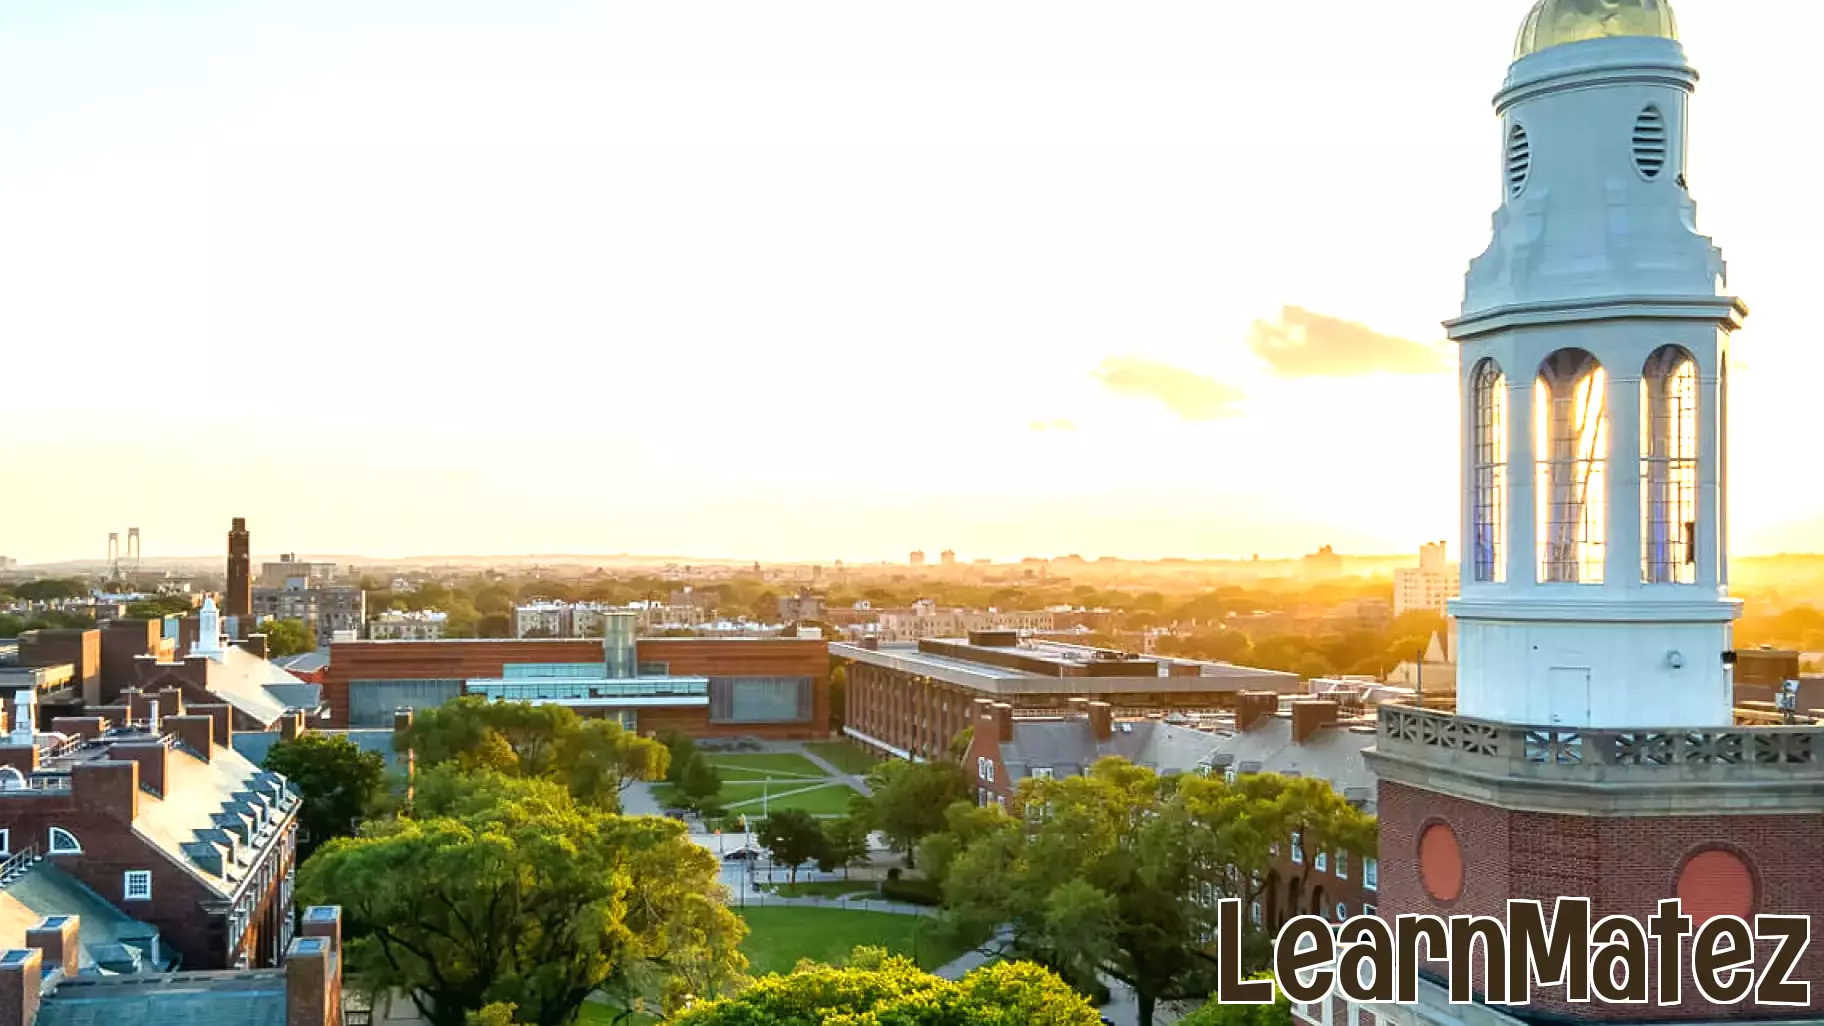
{"x": 152, "y": 757}
{"x": 23, "y": 758}
{"x": 1253, "y": 706}
{"x": 1309, "y": 717}
{"x": 196, "y": 733}
{"x": 224, "y": 722}
{"x": 57, "y": 938}
{"x": 107, "y": 786}
{"x": 1003, "y": 722}
{"x": 86, "y": 727}
{"x": 253, "y": 643}
{"x": 313, "y": 971}
{"x": 291, "y": 725}
{"x": 142, "y": 707}
{"x": 21, "y": 975}
{"x": 1102, "y": 720}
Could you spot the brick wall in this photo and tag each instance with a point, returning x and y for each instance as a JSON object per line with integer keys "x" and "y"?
{"x": 1624, "y": 865}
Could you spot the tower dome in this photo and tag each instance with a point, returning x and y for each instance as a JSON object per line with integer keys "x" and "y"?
{"x": 1556, "y": 22}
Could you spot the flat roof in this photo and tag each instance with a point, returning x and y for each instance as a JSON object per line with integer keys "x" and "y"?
{"x": 956, "y": 668}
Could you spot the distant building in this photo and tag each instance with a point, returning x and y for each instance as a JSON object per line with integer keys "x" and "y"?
{"x": 408, "y": 625}
{"x": 1322, "y": 564}
{"x": 704, "y": 687}
{"x": 8, "y": 563}
{"x": 947, "y": 557}
{"x": 240, "y": 570}
{"x": 324, "y": 609}
{"x": 806, "y": 605}
{"x": 1426, "y": 587}
{"x": 910, "y": 700}
{"x": 290, "y": 568}
{"x": 561, "y": 619}
{"x": 917, "y": 559}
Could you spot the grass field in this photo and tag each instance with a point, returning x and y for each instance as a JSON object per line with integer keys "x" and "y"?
{"x": 844, "y": 756}
{"x": 779, "y": 937}
{"x": 832, "y": 800}
{"x": 594, "y": 1014}
{"x": 757, "y": 767}
{"x": 825, "y": 889}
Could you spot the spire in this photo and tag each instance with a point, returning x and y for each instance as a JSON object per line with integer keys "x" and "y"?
{"x": 208, "y": 631}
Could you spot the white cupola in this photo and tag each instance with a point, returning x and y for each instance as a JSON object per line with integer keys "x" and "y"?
{"x": 1594, "y": 346}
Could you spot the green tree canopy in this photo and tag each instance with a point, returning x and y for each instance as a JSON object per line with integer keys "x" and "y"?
{"x": 287, "y": 637}
{"x": 340, "y": 784}
{"x": 1279, "y": 1013}
{"x": 793, "y": 836}
{"x": 877, "y": 991}
{"x": 595, "y": 759}
{"x": 507, "y": 891}
{"x": 910, "y": 799}
{"x": 157, "y": 607}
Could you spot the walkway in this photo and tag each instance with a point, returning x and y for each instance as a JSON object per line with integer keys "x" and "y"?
{"x": 855, "y": 781}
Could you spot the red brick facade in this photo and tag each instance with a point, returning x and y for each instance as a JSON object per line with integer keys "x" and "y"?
{"x": 1625, "y": 865}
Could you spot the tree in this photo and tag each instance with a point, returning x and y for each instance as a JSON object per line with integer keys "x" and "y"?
{"x": 910, "y": 799}
{"x": 157, "y": 607}
{"x": 839, "y": 693}
{"x": 287, "y": 637}
{"x": 51, "y": 589}
{"x": 845, "y": 844}
{"x": 700, "y": 783}
{"x": 494, "y": 625}
{"x": 1111, "y": 875}
{"x": 507, "y": 891}
{"x": 793, "y": 836}
{"x": 1279, "y": 1013}
{"x": 594, "y": 759}
{"x": 880, "y": 989}
{"x": 340, "y": 784}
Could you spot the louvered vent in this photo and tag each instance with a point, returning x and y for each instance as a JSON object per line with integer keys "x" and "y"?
{"x": 1519, "y": 161}
{"x": 1650, "y": 143}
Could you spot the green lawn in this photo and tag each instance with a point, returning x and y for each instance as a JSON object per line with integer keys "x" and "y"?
{"x": 779, "y": 937}
{"x": 756, "y": 767}
{"x": 843, "y": 755}
{"x": 825, "y": 889}
{"x": 597, "y": 1014}
{"x": 832, "y": 800}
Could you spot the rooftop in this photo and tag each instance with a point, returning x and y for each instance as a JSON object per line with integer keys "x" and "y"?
{"x": 255, "y": 998}
{"x": 1007, "y": 666}
{"x": 110, "y": 940}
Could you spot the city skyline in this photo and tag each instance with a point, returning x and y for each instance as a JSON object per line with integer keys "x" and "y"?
{"x": 567, "y": 279}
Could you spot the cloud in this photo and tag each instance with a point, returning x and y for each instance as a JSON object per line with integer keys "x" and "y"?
{"x": 1192, "y": 396}
{"x": 1057, "y": 424}
{"x": 1302, "y": 344}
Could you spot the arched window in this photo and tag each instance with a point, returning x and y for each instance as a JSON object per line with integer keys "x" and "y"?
{"x": 1490, "y": 480}
{"x": 62, "y": 842}
{"x": 1668, "y": 468}
{"x": 1571, "y": 432}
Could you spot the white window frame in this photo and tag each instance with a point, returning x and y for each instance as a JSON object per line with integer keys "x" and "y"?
{"x": 55, "y": 842}
{"x": 1371, "y": 875}
{"x": 1322, "y": 863}
{"x": 136, "y": 885}
{"x": 1255, "y": 915}
{"x": 1342, "y": 912}
{"x": 1042, "y": 773}
{"x": 1298, "y": 851}
{"x": 1342, "y": 865}
{"x": 1367, "y": 909}
{"x": 6, "y": 841}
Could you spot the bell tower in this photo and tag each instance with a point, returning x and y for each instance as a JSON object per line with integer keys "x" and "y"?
{"x": 1594, "y": 373}
{"x": 1593, "y": 752}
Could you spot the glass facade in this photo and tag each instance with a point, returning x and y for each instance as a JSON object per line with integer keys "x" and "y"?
{"x": 618, "y": 649}
{"x": 518, "y": 671}
{"x": 582, "y": 690}
{"x": 760, "y": 699}
{"x": 371, "y": 703}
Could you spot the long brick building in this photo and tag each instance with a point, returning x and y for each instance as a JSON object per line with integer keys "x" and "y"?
{"x": 912, "y": 700}
{"x": 722, "y": 687}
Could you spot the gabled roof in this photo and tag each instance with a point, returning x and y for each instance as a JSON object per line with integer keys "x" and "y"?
{"x": 214, "y": 816}
{"x": 257, "y": 688}
{"x": 111, "y": 940}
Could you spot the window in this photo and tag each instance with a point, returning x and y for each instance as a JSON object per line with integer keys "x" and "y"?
{"x": 1371, "y": 874}
{"x": 1571, "y": 432}
{"x": 1042, "y": 773}
{"x": 759, "y": 699}
{"x": 63, "y": 842}
{"x": 1668, "y": 468}
{"x": 1342, "y": 912}
{"x": 1322, "y": 862}
{"x": 984, "y": 769}
{"x": 1490, "y": 426}
{"x": 6, "y": 842}
{"x": 1228, "y": 776}
{"x": 1298, "y": 852}
{"x": 138, "y": 885}
{"x": 1342, "y": 865}
{"x": 1367, "y": 910}
{"x": 1255, "y": 915}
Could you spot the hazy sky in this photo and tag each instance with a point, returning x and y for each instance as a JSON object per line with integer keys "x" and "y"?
{"x": 800, "y": 279}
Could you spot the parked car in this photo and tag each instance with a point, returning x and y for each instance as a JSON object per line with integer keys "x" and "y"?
{"x": 743, "y": 855}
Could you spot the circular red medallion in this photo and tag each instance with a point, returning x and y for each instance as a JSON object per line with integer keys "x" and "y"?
{"x": 1716, "y": 883}
{"x": 1441, "y": 862}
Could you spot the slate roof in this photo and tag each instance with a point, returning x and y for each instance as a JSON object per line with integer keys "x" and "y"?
{"x": 1069, "y": 748}
{"x": 257, "y": 688}
{"x": 215, "y": 815}
{"x": 304, "y": 662}
{"x": 196, "y": 999}
{"x": 110, "y": 940}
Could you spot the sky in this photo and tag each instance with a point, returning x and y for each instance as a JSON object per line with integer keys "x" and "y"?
{"x": 803, "y": 280}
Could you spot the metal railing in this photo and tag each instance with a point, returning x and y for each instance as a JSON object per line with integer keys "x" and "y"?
{"x": 18, "y": 864}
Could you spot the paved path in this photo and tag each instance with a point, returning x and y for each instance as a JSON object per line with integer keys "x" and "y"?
{"x": 855, "y": 781}
{"x": 791, "y": 789}
{"x": 638, "y": 800}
